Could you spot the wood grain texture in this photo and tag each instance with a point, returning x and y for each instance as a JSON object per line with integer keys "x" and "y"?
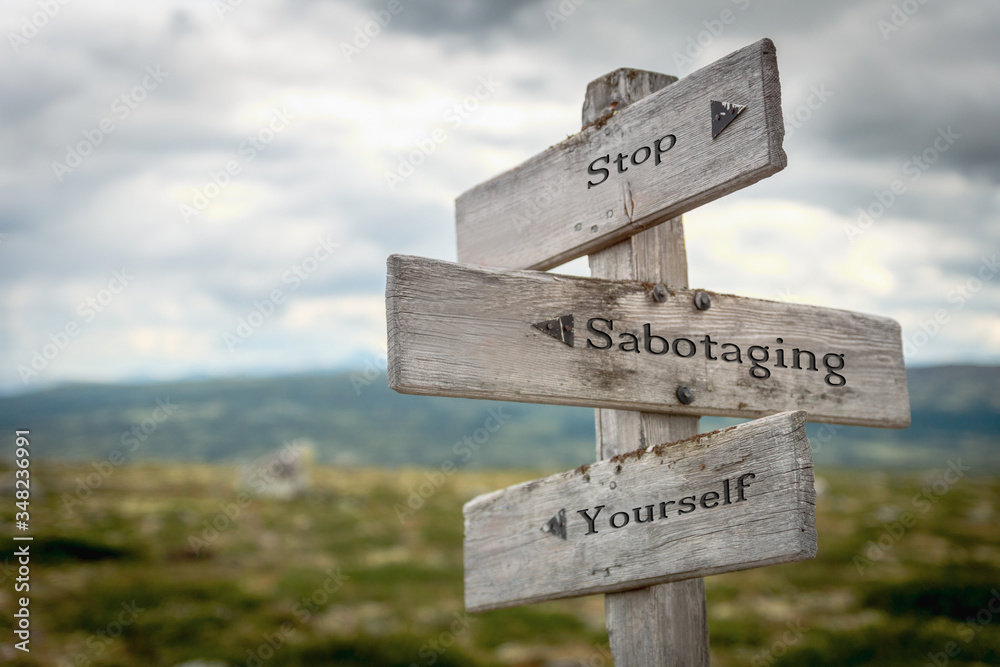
{"x": 513, "y": 556}
{"x": 618, "y": 89}
{"x": 665, "y": 624}
{"x": 655, "y": 255}
{"x": 541, "y": 213}
{"x": 459, "y": 330}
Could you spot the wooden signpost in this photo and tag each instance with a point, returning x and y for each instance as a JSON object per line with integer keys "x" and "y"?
{"x": 663, "y": 507}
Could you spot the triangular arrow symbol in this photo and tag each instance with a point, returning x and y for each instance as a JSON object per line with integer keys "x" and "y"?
{"x": 556, "y": 525}
{"x": 560, "y": 328}
{"x": 724, "y": 113}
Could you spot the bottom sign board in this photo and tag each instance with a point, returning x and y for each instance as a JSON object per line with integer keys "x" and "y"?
{"x": 734, "y": 499}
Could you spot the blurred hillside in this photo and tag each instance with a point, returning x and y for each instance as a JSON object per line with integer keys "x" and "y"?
{"x": 338, "y": 577}
{"x": 354, "y": 418}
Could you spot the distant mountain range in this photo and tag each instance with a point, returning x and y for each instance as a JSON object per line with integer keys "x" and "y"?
{"x": 354, "y": 418}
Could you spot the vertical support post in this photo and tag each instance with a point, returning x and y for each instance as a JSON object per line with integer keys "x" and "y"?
{"x": 665, "y": 625}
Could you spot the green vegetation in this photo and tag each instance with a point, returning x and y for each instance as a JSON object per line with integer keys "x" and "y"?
{"x": 336, "y": 578}
{"x": 354, "y": 418}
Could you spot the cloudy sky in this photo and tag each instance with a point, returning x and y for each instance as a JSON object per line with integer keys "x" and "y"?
{"x": 170, "y": 166}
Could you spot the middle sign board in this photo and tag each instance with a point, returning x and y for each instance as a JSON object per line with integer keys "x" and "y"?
{"x": 535, "y": 337}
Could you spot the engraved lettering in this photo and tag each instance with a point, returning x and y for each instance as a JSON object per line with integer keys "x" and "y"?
{"x": 591, "y": 519}
{"x": 594, "y": 172}
{"x": 712, "y": 499}
{"x": 761, "y": 358}
{"x": 638, "y": 157}
{"x": 590, "y": 327}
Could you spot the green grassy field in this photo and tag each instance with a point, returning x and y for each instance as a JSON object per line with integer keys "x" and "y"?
{"x": 132, "y": 576}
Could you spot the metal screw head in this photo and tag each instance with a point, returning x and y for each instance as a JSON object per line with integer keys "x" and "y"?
{"x": 702, "y": 300}
{"x": 659, "y": 292}
{"x": 685, "y": 395}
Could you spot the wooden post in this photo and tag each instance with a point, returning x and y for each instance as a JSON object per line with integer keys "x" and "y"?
{"x": 665, "y": 625}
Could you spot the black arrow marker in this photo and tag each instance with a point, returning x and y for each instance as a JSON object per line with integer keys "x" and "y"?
{"x": 556, "y": 525}
{"x": 560, "y": 328}
{"x": 724, "y": 113}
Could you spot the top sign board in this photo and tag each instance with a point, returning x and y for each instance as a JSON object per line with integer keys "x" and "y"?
{"x": 712, "y": 133}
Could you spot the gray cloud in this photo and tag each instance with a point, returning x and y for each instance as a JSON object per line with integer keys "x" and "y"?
{"x": 325, "y": 174}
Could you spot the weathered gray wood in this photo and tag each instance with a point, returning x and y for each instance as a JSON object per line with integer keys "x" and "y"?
{"x": 459, "y": 330}
{"x": 621, "y": 430}
{"x": 542, "y": 213}
{"x": 666, "y": 624}
{"x": 655, "y": 255}
{"x": 616, "y": 90}
{"x": 530, "y": 542}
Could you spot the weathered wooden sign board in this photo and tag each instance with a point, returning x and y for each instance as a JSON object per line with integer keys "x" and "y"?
{"x": 645, "y": 526}
{"x": 733, "y": 499}
{"x": 529, "y": 336}
{"x": 652, "y": 161}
